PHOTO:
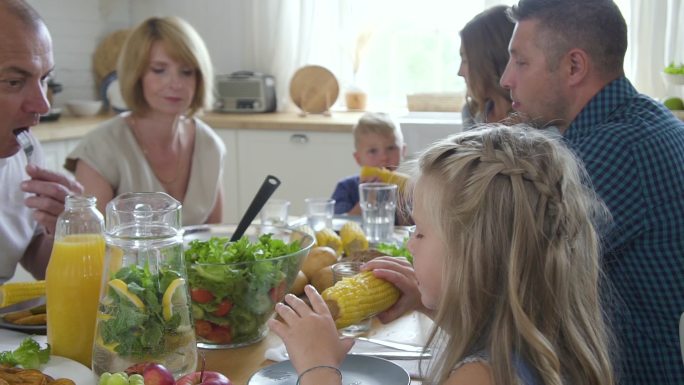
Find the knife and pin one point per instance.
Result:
(394, 355)
(23, 305)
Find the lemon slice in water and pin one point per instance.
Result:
(121, 288)
(173, 296)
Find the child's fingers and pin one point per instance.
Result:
(277, 327)
(298, 305)
(317, 302)
(386, 262)
(286, 313)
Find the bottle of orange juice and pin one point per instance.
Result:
(73, 279)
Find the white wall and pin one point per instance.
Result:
(78, 26)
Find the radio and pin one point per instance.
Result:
(245, 91)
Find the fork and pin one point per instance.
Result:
(26, 144)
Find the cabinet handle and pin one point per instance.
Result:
(299, 139)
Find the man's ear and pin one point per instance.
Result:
(357, 157)
(578, 63)
(403, 151)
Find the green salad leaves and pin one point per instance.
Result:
(395, 251)
(133, 330)
(28, 355)
(234, 285)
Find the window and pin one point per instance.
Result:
(413, 48)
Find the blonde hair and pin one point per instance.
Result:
(522, 266)
(377, 123)
(182, 43)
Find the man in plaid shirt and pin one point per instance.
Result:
(566, 69)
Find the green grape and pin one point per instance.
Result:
(136, 379)
(119, 378)
(104, 378)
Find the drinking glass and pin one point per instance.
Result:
(275, 212)
(319, 212)
(378, 203)
(341, 270)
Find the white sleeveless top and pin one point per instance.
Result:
(113, 152)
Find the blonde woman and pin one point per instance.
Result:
(506, 263)
(166, 78)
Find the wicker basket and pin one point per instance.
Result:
(435, 101)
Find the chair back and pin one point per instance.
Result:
(681, 335)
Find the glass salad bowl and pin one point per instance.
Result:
(234, 286)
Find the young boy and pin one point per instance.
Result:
(379, 143)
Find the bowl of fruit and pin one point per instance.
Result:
(234, 286)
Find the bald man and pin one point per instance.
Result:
(31, 197)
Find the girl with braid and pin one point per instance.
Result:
(506, 264)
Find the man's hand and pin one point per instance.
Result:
(50, 189)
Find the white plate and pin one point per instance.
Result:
(364, 370)
(56, 367)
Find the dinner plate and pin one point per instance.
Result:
(366, 370)
(56, 367)
(111, 93)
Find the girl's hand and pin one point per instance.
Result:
(400, 273)
(309, 333)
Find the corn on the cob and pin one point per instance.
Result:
(353, 238)
(385, 176)
(327, 237)
(14, 292)
(295, 236)
(356, 298)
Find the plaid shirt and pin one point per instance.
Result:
(633, 149)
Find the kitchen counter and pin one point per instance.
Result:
(68, 127)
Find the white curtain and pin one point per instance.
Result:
(656, 39)
(286, 35)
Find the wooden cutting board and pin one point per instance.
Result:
(107, 54)
(314, 89)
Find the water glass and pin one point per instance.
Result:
(274, 212)
(347, 269)
(378, 203)
(319, 212)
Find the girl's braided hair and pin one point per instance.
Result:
(522, 272)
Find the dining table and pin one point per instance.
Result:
(239, 364)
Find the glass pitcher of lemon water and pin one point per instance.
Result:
(144, 312)
(73, 279)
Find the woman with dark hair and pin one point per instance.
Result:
(484, 54)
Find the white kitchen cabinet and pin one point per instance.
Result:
(308, 164)
(55, 151)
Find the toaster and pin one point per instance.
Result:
(245, 91)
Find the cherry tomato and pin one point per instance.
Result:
(223, 308)
(201, 295)
(202, 327)
(220, 334)
(278, 292)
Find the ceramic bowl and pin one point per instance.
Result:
(676, 79)
(84, 107)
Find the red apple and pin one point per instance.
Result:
(156, 374)
(203, 378)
